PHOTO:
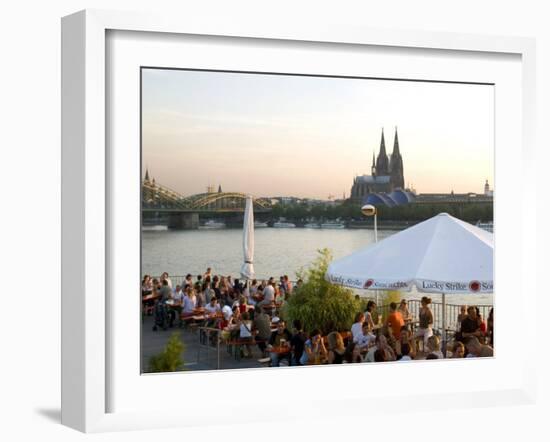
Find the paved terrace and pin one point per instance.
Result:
(154, 342)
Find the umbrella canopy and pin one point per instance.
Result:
(440, 255)
(247, 269)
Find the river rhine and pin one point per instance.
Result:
(277, 252)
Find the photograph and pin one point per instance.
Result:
(290, 220)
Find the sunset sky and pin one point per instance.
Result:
(273, 135)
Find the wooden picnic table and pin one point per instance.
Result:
(279, 350)
(150, 297)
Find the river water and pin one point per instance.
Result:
(277, 252)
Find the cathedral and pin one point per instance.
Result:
(386, 173)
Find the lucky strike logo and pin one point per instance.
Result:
(368, 283)
(475, 286)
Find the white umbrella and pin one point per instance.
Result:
(247, 269)
(440, 255)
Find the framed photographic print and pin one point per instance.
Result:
(286, 207)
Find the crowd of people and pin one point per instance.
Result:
(249, 313)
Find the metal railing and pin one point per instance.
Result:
(451, 313)
(207, 337)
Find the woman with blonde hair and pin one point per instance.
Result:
(336, 348)
(434, 346)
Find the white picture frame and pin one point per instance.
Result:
(87, 210)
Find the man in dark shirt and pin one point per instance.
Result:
(261, 327)
(279, 344)
(297, 342)
(470, 326)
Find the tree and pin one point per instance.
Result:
(170, 358)
(320, 304)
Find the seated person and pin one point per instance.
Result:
(405, 352)
(478, 350)
(297, 342)
(381, 343)
(245, 333)
(458, 350)
(315, 351)
(406, 337)
(470, 326)
(268, 294)
(357, 325)
(280, 339)
(365, 338)
(434, 346)
(353, 354)
(212, 307)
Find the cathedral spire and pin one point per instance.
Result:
(382, 164)
(382, 144)
(146, 174)
(219, 188)
(396, 144)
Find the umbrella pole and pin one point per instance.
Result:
(443, 333)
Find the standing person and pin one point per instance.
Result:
(404, 310)
(252, 291)
(280, 339)
(261, 328)
(314, 352)
(297, 342)
(336, 348)
(165, 291)
(164, 277)
(461, 316)
(426, 320)
(395, 321)
(208, 273)
(188, 281)
(288, 285)
(470, 326)
(371, 307)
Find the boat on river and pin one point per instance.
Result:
(312, 226)
(213, 224)
(333, 225)
(284, 225)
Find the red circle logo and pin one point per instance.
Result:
(475, 286)
(368, 283)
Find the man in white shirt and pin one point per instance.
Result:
(212, 307)
(269, 294)
(364, 337)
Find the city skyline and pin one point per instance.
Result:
(277, 135)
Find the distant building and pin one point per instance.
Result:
(486, 190)
(386, 177)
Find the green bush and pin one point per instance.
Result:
(320, 304)
(170, 358)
